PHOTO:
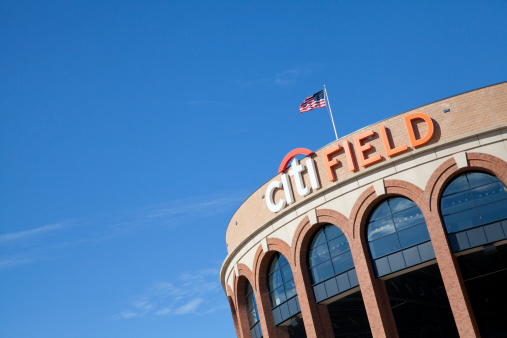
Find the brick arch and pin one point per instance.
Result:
(262, 260)
(260, 269)
(306, 230)
(362, 205)
(316, 315)
(231, 294)
(246, 272)
(448, 170)
(239, 289)
(368, 200)
(234, 314)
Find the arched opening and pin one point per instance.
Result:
(397, 236)
(403, 256)
(474, 210)
(473, 207)
(252, 313)
(283, 297)
(334, 282)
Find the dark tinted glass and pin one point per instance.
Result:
(319, 254)
(279, 279)
(477, 179)
(381, 211)
(251, 306)
(286, 273)
(274, 264)
(462, 220)
(456, 202)
(275, 279)
(320, 265)
(400, 204)
(249, 301)
(459, 184)
(338, 245)
(318, 240)
(413, 235)
(489, 193)
(332, 232)
(322, 272)
(482, 200)
(290, 289)
(252, 317)
(384, 246)
(380, 228)
(282, 260)
(277, 297)
(342, 263)
(493, 211)
(408, 218)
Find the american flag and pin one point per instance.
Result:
(314, 101)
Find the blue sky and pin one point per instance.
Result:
(131, 131)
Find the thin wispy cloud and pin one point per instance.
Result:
(194, 292)
(37, 243)
(283, 78)
(32, 232)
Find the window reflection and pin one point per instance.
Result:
(329, 254)
(402, 227)
(251, 306)
(281, 286)
(473, 199)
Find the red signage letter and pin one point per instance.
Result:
(362, 148)
(390, 151)
(330, 164)
(410, 128)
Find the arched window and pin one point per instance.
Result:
(330, 263)
(282, 290)
(474, 210)
(398, 236)
(252, 314)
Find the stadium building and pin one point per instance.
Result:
(399, 229)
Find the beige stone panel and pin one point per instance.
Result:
(461, 160)
(337, 204)
(284, 219)
(420, 174)
(263, 234)
(504, 133)
(455, 147)
(416, 160)
(498, 149)
(344, 204)
(380, 188)
(491, 137)
(291, 228)
(377, 174)
(341, 189)
(282, 233)
(248, 257)
(313, 203)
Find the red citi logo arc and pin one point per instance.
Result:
(296, 168)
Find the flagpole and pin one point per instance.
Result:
(330, 112)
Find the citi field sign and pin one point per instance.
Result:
(361, 145)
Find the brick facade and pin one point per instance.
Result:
(317, 322)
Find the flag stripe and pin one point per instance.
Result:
(314, 101)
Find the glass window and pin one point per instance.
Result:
(251, 306)
(473, 199)
(331, 256)
(402, 226)
(281, 285)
